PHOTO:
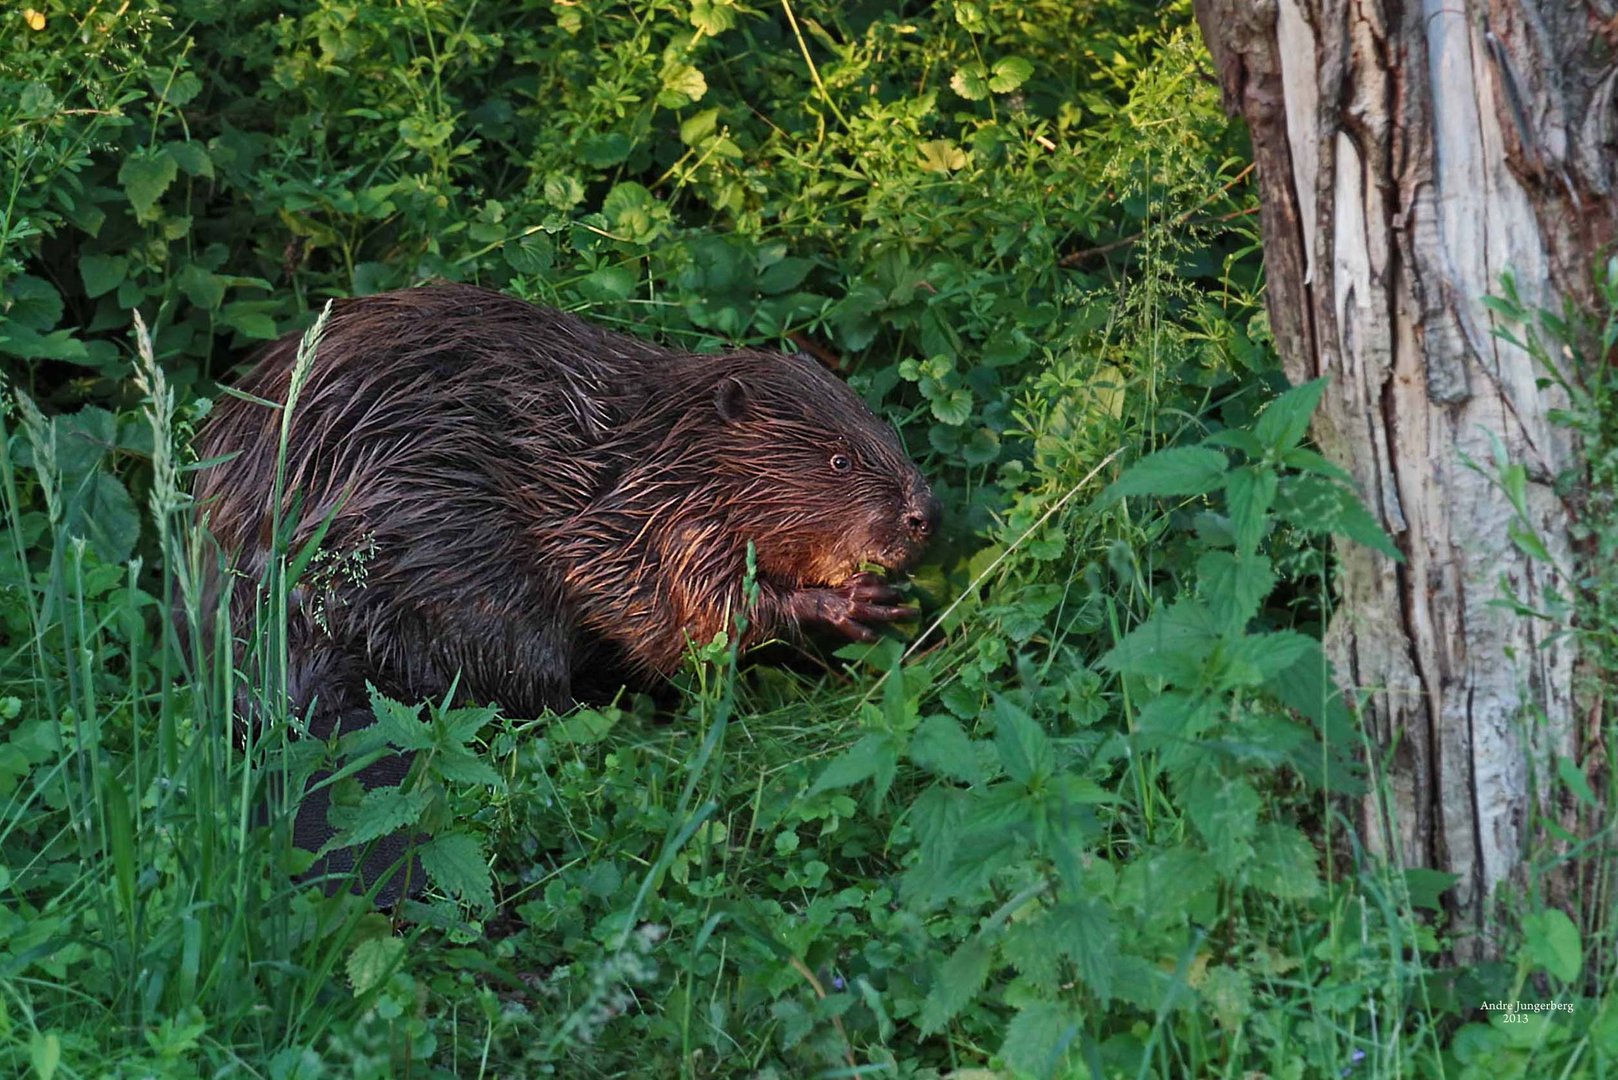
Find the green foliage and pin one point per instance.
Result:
(1086, 823)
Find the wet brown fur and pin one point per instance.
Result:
(547, 499)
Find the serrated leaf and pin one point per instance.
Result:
(682, 84)
(1184, 470)
(192, 157)
(465, 768)
(102, 273)
(1009, 74)
(101, 512)
(1285, 421)
(1173, 643)
(958, 981)
(456, 864)
(381, 812)
(1285, 863)
(145, 176)
(1234, 585)
(1249, 494)
(1038, 1036)
(941, 746)
(1257, 658)
(1551, 941)
(1024, 748)
(401, 724)
(971, 82)
(372, 961)
(873, 756)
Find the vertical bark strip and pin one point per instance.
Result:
(1408, 154)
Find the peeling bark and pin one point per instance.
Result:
(1408, 154)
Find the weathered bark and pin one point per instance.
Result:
(1408, 154)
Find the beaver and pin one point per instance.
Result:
(533, 504)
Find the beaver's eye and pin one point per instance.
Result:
(840, 463)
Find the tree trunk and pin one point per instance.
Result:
(1408, 154)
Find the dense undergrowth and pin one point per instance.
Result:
(1090, 823)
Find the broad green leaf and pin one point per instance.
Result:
(1233, 586)
(971, 82)
(941, 156)
(458, 866)
(697, 128)
(1286, 420)
(783, 274)
(1249, 494)
(145, 176)
(102, 273)
(31, 302)
(874, 755)
(682, 85)
(1025, 749)
(401, 724)
(1551, 941)
(1009, 74)
(372, 961)
(100, 511)
(381, 811)
(45, 1053)
(610, 283)
(1038, 1037)
(605, 150)
(1256, 658)
(1174, 643)
(941, 746)
(1427, 887)
(958, 981)
(1285, 864)
(192, 157)
(1185, 470)
(713, 17)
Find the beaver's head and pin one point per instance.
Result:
(812, 477)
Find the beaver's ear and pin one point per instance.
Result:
(730, 398)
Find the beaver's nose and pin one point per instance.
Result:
(922, 513)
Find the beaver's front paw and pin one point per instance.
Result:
(848, 607)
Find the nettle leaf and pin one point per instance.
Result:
(1174, 643)
(1257, 658)
(958, 981)
(1025, 749)
(192, 157)
(1009, 74)
(1233, 585)
(145, 176)
(401, 724)
(875, 757)
(456, 864)
(971, 82)
(1225, 812)
(1285, 863)
(1316, 505)
(381, 811)
(1551, 941)
(101, 512)
(1038, 1036)
(1249, 494)
(372, 961)
(1182, 470)
(1286, 421)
